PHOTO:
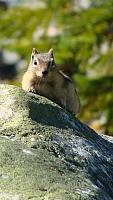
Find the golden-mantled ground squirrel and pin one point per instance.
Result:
(43, 77)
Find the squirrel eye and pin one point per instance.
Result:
(35, 62)
(51, 63)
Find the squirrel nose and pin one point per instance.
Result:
(45, 72)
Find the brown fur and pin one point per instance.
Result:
(56, 86)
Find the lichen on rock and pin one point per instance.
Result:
(47, 154)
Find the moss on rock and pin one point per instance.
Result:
(47, 154)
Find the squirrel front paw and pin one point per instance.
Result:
(31, 89)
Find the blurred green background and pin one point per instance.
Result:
(81, 34)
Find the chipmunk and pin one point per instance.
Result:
(43, 77)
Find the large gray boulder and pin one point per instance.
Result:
(47, 154)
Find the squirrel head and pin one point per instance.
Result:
(42, 63)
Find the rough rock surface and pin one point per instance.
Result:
(46, 154)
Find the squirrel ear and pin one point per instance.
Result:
(51, 52)
(34, 51)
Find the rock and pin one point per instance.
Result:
(47, 154)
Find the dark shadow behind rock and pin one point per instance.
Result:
(45, 153)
